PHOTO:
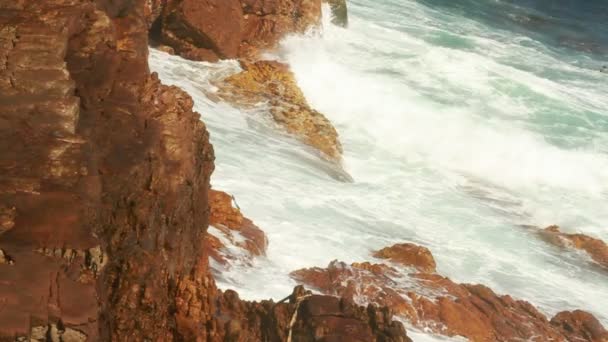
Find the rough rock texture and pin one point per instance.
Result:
(271, 82)
(596, 248)
(580, 326)
(211, 29)
(233, 229)
(409, 254)
(104, 175)
(306, 318)
(433, 302)
(104, 182)
(339, 12)
(363, 282)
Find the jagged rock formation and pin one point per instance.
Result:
(232, 228)
(208, 30)
(433, 302)
(273, 84)
(595, 248)
(104, 170)
(104, 182)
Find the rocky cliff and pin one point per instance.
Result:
(104, 183)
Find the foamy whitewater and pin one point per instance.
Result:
(458, 129)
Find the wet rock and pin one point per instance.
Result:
(372, 282)
(580, 325)
(166, 49)
(409, 254)
(234, 228)
(339, 12)
(104, 194)
(305, 317)
(212, 29)
(595, 248)
(210, 25)
(430, 301)
(272, 83)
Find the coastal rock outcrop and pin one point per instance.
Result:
(595, 248)
(430, 301)
(271, 83)
(303, 317)
(104, 195)
(104, 175)
(230, 227)
(210, 29)
(579, 325)
(409, 254)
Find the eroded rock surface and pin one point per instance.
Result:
(430, 301)
(230, 227)
(104, 184)
(273, 84)
(107, 171)
(595, 248)
(211, 29)
(409, 254)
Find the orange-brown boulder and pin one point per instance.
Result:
(203, 29)
(409, 254)
(430, 301)
(234, 229)
(211, 29)
(579, 325)
(272, 83)
(595, 248)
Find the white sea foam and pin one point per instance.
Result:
(451, 148)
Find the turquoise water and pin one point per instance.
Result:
(461, 122)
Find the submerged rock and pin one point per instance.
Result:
(339, 12)
(430, 301)
(272, 83)
(595, 248)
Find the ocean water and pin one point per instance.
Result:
(462, 123)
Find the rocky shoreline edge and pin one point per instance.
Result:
(105, 196)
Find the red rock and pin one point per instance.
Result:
(212, 29)
(580, 325)
(229, 220)
(104, 191)
(430, 301)
(409, 254)
(595, 248)
(213, 25)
